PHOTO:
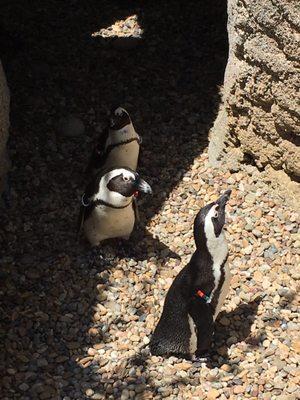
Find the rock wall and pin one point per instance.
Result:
(260, 110)
(4, 126)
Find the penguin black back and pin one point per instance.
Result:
(97, 158)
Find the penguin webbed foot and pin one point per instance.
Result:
(202, 357)
(157, 349)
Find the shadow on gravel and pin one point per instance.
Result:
(238, 329)
(169, 83)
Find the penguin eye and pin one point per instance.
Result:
(126, 178)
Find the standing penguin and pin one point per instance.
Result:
(118, 145)
(195, 297)
(107, 209)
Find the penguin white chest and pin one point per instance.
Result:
(107, 223)
(193, 335)
(218, 249)
(224, 290)
(125, 155)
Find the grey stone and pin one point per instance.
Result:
(24, 387)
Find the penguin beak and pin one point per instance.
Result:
(143, 186)
(224, 198)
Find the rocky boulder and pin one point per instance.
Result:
(260, 110)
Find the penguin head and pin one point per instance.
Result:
(119, 118)
(210, 220)
(117, 187)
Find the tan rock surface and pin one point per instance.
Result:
(261, 109)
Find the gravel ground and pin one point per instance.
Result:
(76, 322)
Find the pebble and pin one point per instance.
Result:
(226, 367)
(257, 233)
(184, 366)
(213, 375)
(42, 362)
(238, 389)
(146, 340)
(89, 392)
(24, 387)
(213, 394)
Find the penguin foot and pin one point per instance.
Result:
(202, 358)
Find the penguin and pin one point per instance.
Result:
(107, 206)
(118, 144)
(196, 295)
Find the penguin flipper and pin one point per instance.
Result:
(98, 156)
(80, 221)
(96, 161)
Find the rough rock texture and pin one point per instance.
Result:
(4, 124)
(261, 97)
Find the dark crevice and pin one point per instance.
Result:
(286, 134)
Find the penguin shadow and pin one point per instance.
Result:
(143, 245)
(145, 385)
(140, 247)
(237, 329)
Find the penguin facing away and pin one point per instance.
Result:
(118, 145)
(197, 294)
(107, 209)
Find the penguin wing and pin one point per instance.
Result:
(96, 161)
(86, 207)
(202, 316)
(80, 220)
(98, 156)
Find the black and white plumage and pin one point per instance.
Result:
(118, 145)
(196, 296)
(107, 209)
